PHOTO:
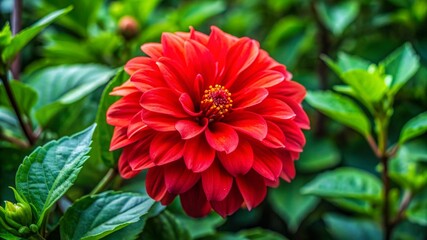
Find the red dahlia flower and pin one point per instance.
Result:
(213, 118)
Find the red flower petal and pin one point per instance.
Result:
(146, 79)
(166, 148)
(136, 125)
(216, 182)
(155, 183)
(120, 138)
(230, 204)
(168, 198)
(178, 178)
(301, 118)
(153, 50)
(199, 61)
(136, 63)
(198, 155)
(173, 46)
(164, 101)
(275, 137)
(194, 202)
(159, 122)
(288, 170)
(240, 56)
(175, 75)
(288, 89)
(249, 98)
(189, 128)
(125, 170)
(248, 123)
(121, 112)
(219, 43)
(138, 154)
(252, 188)
(188, 105)
(222, 137)
(295, 139)
(240, 161)
(267, 163)
(273, 109)
(125, 89)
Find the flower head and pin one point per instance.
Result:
(214, 119)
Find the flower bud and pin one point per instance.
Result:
(128, 27)
(17, 218)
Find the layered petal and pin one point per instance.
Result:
(230, 204)
(164, 101)
(166, 148)
(198, 155)
(240, 161)
(178, 179)
(252, 188)
(248, 123)
(222, 137)
(216, 182)
(195, 203)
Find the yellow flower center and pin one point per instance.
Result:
(216, 102)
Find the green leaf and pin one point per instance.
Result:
(104, 131)
(260, 234)
(60, 86)
(355, 205)
(165, 227)
(25, 95)
(341, 109)
(345, 183)
(290, 204)
(129, 232)
(48, 172)
(5, 36)
(349, 228)
(371, 87)
(414, 128)
(407, 167)
(94, 217)
(402, 64)
(201, 227)
(417, 210)
(25, 36)
(196, 13)
(346, 62)
(319, 154)
(337, 18)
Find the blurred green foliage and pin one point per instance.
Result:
(65, 69)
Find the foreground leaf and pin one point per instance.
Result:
(342, 227)
(347, 183)
(104, 131)
(341, 109)
(402, 64)
(371, 87)
(164, 227)
(22, 38)
(337, 18)
(51, 170)
(414, 128)
(260, 234)
(94, 217)
(290, 204)
(61, 86)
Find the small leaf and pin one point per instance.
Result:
(345, 183)
(341, 109)
(165, 227)
(371, 87)
(25, 95)
(414, 128)
(104, 131)
(337, 18)
(51, 170)
(290, 204)
(417, 210)
(402, 64)
(348, 62)
(60, 86)
(5, 36)
(348, 228)
(196, 13)
(25, 36)
(407, 167)
(355, 205)
(94, 217)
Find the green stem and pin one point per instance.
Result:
(25, 128)
(110, 175)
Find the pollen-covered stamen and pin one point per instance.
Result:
(216, 102)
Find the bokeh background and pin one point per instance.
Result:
(70, 63)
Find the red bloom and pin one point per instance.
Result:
(213, 118)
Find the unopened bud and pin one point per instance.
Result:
(129, 27)
(18, 213)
